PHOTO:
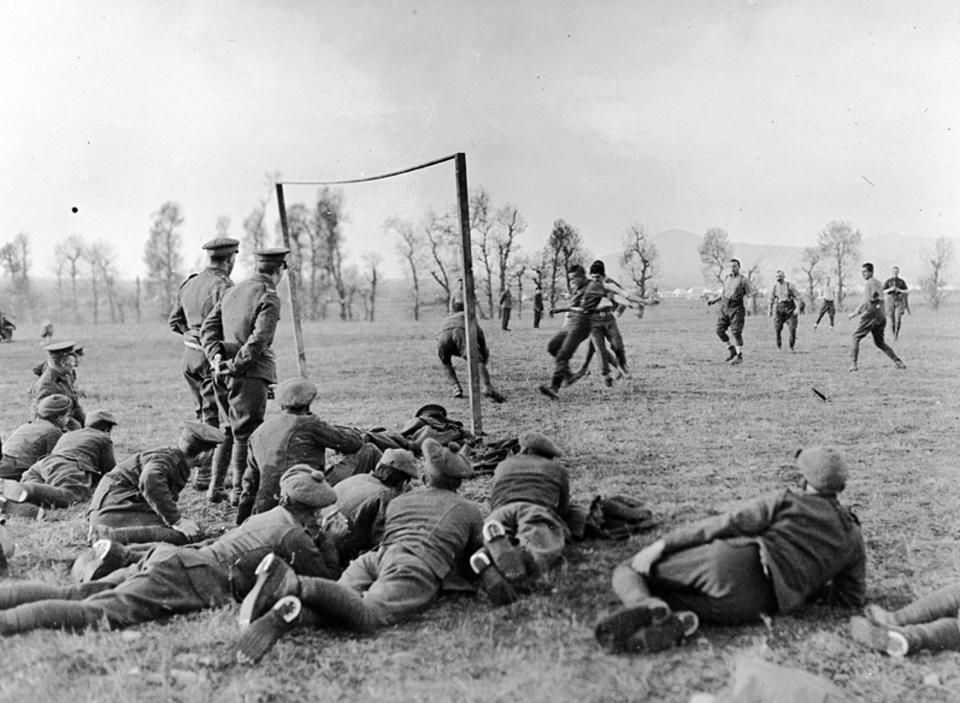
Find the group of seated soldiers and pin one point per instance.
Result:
(354, 545)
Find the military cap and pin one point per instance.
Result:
(597, 267)
(400, 459)
(54, 406)
(102, 416)
(432, 410)
(276, 256)
(78, 349)
(221, 246)
(440, 461)
(304, 484)
(824, 468)
(60, 347)
(201, 433)
(296, 392)
(539, 444)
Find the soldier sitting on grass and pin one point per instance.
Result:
(137, 501)
(68, 474)
(35, 439)
(525, 533)
(60, 376)
(769, 556)
(170, 580)
(428, 535)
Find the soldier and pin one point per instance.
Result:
(363, 499)
(198, 294)
(829, 295)
(428, 534)
(929, 622)
(537, 307)
(872, 319)
(237, 336)
(137, 500)
(169, 580)
(506, 305)
(38, 369)
(733, 311)
(768, 556)
(452, 341)
(895, 289)
(35, 439)
(525, 533)
(783, 301)
(297, 436)
(60, 377)
(70, 472)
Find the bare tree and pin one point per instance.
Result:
(510, 224)
(939, 258)
(255, 231)
(223, 226)
(564, 248)
(372, 261)
(299, 230)
(162, 254)
(715, 250)
(519, 271)
(755, 277)
(640, 258)
(328, 214)
(482, 226)
(15, 257)
(409, 247)
(444, 240)
(58, 268)
(70, 251)
(103, 279)
(809, 260)
(840, 243)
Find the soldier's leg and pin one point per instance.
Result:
(900, 640)
(612, 332)
(833, 312)
(220, 461)
(143, 534)
(778, 328)
(881, 344)
(723, 324)
(792, 326)
(17, 593)
(823, 311)
(194, 380)
(577, 332)
(556, 342)
(72, 616)
(942, 603)
(863, 329)
(598, 342)
(248, 404)
(542, 536)
(640, 609)
(362, 462)
(404, 585)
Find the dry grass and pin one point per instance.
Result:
(686, 434)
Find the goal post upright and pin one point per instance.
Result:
(469, 299)
(293, 285)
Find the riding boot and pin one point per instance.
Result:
(18, 593)
(221, 461)
(48, 496)
(338, 604)
(238, 464)
(51, 615)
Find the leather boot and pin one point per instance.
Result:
(221, 461)
(454, 381)
(48, 496)
(201, 481)
(51, 615)
(238, 464)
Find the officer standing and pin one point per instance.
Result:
(237, 337)
(783, 308)
(197, 296)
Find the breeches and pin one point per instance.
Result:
(451, 343)
(393, 582)
(247, 404)
(538, 530)
(722, 581)
(732, 319)
(196, 371)
(872, 324)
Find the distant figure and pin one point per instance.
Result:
(6, 328)
(895, 289)
(506, 303)
(733, 311)
(46, 330)
(872, 318)
(784, 297)
(829, 295)
(537, 307)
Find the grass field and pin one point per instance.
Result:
(686, 434)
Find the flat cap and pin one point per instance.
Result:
(275, 255)
(296, 392)
(103, 416)
(222, 245)
(201, 433)
(539, 444)
(304, 484)
(431, 410)
(401, 460)
(440, 461)
(824, 468)
(60, 347)
(54, 406)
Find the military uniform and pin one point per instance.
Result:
(197, 297)
(733, 311)
(63, 382)
(239, 333)
(170, 580)
(28, 444)
(872, 322)
(287, 439)
(506, 305)
(452, 341)
(363, 501)
(897, 297)
(783, 304)
(142, 491)
(72, 470)
(537, 308)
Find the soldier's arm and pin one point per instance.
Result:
(751, 519)
(211, 334)
(309, 557)
(346, 440)
(155, 489)
(260, 339)
(107, 458)
(178, 319)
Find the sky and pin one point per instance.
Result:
(768, 119)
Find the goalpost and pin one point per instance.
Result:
(466, 260)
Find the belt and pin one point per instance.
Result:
(192, 345)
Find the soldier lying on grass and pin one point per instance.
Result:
(169, 580)
(769, 556)
(930, 622)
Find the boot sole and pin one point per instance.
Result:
(614, 630)
(270, 572)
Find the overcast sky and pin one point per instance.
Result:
(766, 118)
